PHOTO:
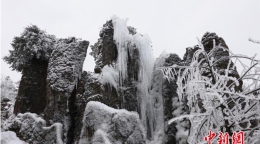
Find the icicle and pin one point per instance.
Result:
(109, 76)
(143, 44)
(121, 36)
(146, 64)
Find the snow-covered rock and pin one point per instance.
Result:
(32, 128)
(64, 72)
(66, 63)
(103, 124)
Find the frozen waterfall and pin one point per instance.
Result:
(126, 42)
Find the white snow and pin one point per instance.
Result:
(109, 76)
(110, 125)
(9, 137)
(33, 116)
(100, 137)
(59, 131)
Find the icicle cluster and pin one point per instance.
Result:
(126, 42)
(121, 37)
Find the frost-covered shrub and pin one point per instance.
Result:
(213, 100)
(8, 88)
(33, 42)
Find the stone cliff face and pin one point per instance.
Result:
(64, 72)
(61, 93)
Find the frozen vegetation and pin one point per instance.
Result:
(8, 89)
(214, 102)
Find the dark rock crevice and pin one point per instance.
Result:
(72, 114)
(32, 90)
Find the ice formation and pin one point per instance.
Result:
(126, 42)
(121, 37)
(109, 76)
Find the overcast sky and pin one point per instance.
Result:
(172, 25)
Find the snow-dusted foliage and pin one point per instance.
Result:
(33, 42)
(8, 88)
(10, 137)
(66, 62)
(32, 128)
(8, 95)
(103, 124)
(213, 100)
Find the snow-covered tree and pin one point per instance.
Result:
(33, 42)
(212, 98)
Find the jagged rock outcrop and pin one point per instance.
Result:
(107, 50)
(88, 89)
(32, 90)
(64, 71)
(103, 124)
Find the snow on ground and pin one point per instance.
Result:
(10, 137)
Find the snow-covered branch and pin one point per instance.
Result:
(254, 41)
